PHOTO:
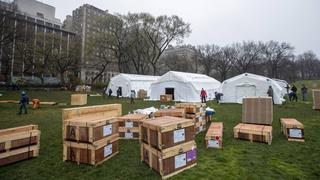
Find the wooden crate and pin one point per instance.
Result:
(129, 125)
(142, 94)
(214, 135)
(90, 128)
(192, 108)
(94, 154)
(292, 129)
(171, 161)
(19, 143)
(257, 110)
(316, 99)
(165, 132)
(78, 99)
(166, 98)
(170, 112)
(252, 132)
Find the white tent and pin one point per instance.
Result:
(183, 86)
(128, 82)
(244, 85)
(283, 84)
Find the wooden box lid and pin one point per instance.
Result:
(133, 117)
(167, 123)
(291, 123)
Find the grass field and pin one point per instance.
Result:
(237, 160)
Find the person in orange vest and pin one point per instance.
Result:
(203, 95)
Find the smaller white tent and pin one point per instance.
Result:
(245, 85)
(128, 82)
(283, 84)
(184, 87)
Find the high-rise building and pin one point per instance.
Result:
(23, 21)
(84, 23)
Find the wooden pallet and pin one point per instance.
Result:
(292, 129)
(170, 112)
(94, 154)
(252, 132)
(165, 132)
(214, 135)
(164, 161)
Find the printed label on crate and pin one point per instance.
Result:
(191, 155)
(107, 150)
(213, 143)
(200, 128)
(129, 124)
(128, 135)
(180, 161)
(201, 109)
(200, 118)
(295, 133)
(107, 130)
(178, 135)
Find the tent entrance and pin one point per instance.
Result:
(120, 90)
(245, 91)
(170, 91)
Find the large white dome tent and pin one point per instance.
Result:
(245, 85)
(184, 87)
(128, 82)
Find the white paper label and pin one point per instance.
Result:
(107, 150)
(107, 130)
(128, 135)
(180, 160)
(178, 135)
(213, 143)
(200, 118)
(295, 133)
(200, 128)
(129, 124)
(201, 109)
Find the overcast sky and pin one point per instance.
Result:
(223, 22)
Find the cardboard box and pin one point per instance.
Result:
(129, 125)
(19, 143)
(170, 112)
(78, 99)
(292, 129)
(171, 161)
(252, 132)
(94, 154)
(316, 99)
(257, 110)
(142, 94)
(165, 132)
(214, 135)
(165, 98)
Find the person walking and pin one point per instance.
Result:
(24, 101)
(132, 96)
(110, 92)
(304, 91)
(294, 93)
(270, 93)
(203, 95)
(118, 92)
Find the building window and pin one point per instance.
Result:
(40, 15)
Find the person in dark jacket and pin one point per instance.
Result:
(24, 101)
(294, 93)
(270, 93)
(304, 91)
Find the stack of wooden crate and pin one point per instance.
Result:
(19, 143)
(167, 145)
(142, 94)
(170, 112)
(165, 98)
(91, 134)
(196, 112)
(292, 129)
(79, 99)
(214, 135)
(316, 99)
(129, 125)
(257, 117)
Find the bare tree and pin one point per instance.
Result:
(209, 54)
(308, 65)
(225, 62)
